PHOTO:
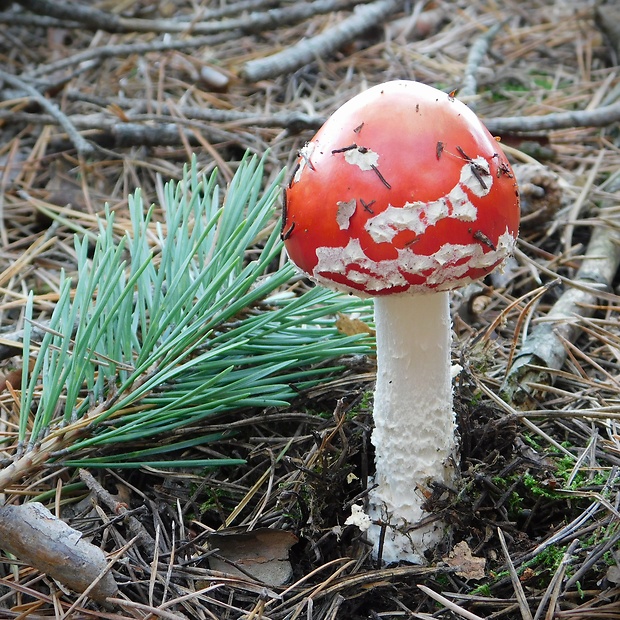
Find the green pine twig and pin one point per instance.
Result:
(172, 324)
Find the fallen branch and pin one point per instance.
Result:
(136, 529)
(110, 133)
(81, 145)
(23, 18)
(479, 49)
(87, 16)
(293, 121)
(544, 350)
(34, 535)
(600, 117)
(115, 133)
(35, 21)
(97, 54)
(257, 21)
(308, 50)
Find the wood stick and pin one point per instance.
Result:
(82, 146)
(34, 535)
(544, 349)
(257, 21)
(136, 529)
(307, 50)
(469, 85)
(599, 117)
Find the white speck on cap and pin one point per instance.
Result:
(305, 154)
(442, 270)
(345, 212)
(417, 216)
(364, 159)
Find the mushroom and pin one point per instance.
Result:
(402, 195)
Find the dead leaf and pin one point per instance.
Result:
(351, 327)
(261, 553)
(469, 566)
(613, 574)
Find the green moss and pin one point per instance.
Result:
(475, 399)
(580, 591)
(548, 559)
(540, 488)
(364, 406)
(213, 500)
(482, 590)
(532, 442)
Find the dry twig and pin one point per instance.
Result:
(304, 52)
(599, 117)
(83, 148)
(136, 529)
(96, 19)
(544, 350)
(35, 536)
(478, 51)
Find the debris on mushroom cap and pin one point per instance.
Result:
(402, 190)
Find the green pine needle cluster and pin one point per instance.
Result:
(172, 324)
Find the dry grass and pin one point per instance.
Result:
(543, 470)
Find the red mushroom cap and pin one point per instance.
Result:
(402, 189)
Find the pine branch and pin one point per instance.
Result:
(168, 326)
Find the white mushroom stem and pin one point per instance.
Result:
(415, 433)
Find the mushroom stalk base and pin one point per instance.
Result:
(415, 434)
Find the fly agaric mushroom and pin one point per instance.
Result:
(403, 195)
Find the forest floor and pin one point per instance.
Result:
(138, 88)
